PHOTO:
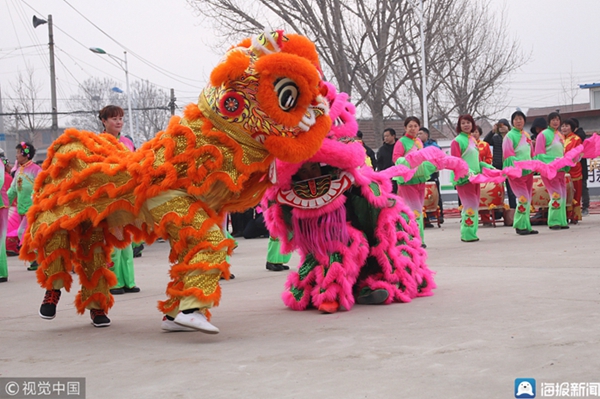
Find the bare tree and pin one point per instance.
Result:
(93, 95)
(371, 48)
(27, 105)
(151, 111)
(477, 58)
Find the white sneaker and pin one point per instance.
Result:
(197, 321)
(170, 325)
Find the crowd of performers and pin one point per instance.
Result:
(557, 150)
(267, 127)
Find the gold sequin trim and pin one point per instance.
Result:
(159, 157)
(102, 288)
(214, 237)
(60, 240)
(178, 205)
(97, 262)
(208, 283)
(55, 267)
(209, 257)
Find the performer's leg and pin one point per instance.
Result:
(469, 196)
(53, 273)
(198, 251)
(127, 269)
(585, 198)
(414, 197)
(117, 268)
(95, 276)
(440, 200)
(3, 260)
(522, 187)
(22, 228)
(557, 189)
(276, 261)
(512, 198)
(577, 194)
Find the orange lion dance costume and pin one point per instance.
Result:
(263, 102)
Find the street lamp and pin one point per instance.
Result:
(123, 64)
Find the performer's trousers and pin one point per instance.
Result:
(557, 189)
(414, 197)
(522, 187)
(469, 195)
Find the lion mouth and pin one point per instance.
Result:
(313, 112)
(317, 192)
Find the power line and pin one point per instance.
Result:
(150, 64)
(165, 108)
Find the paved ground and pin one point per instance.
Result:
(506, 307)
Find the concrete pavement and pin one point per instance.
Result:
(506, 307)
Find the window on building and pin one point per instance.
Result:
(595, 99)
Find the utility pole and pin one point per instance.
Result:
(37, 22)
(52, 80)
(172, 102)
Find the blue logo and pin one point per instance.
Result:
(524, 388)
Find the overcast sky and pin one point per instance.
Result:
(560, 36)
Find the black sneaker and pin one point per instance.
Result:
(277, 267)
(33, 266)
(132, 289)
(48, 308)
(137, 251)
(99, 318)
(368, 296)
(525, 232)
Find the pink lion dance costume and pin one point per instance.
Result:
(356, 239)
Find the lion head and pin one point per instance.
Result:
(270, 88)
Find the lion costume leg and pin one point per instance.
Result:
(198, 253)
(56, 262)
(92, 267)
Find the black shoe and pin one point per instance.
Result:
(564, 227)
(372, 297)
(117, 291)
(132, 289)
(137, 251)
(423, 245)
(48, 308)
(475, 240)
(231, 277)
(3, 279)
(276, 267)
(556, 227)
(525, 232)
(99, 318)
(33, 266)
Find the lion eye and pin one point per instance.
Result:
(287, 93)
